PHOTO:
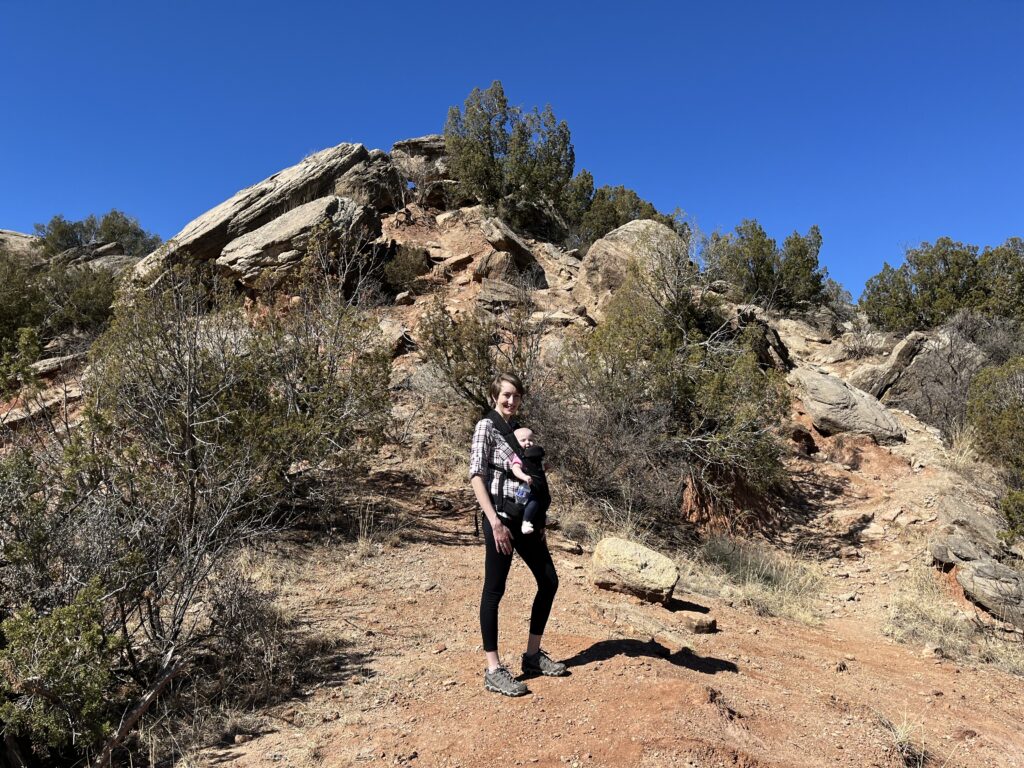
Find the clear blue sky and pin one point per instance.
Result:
(885, 123)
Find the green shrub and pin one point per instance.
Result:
(789, 278)
(1012, 507)
(938, 279)
(609, 208)
(409, 263)
(521, 162)
(995, 408)
(60, 234)
(657, 405)
(205, 427)
(56, 672)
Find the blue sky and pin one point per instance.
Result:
(884, 123)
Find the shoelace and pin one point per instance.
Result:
(503, 671)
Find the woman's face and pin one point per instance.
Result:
(508, 401)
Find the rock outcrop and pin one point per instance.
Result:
(605, 267)
(625, 566)
(274, 249)
(996, 587)
(837, 407)
(204, 238)
(877, 379)
(19, 245)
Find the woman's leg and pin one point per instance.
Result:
(496, 566)
(534, 551)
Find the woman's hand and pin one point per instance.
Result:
(502, 538)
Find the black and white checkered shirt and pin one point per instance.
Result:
(489, 447)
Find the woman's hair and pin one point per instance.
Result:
(503, 378)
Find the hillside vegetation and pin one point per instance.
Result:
(314, 364)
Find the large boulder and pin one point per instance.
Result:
(503, 239)
(996, 587)
(625, 566)
(374, 181)
(104, 256)
(560, 267)
(936, 382)
(204, 238)
(837, 407)
(423, 162)
(19, 245)
(277, 247)
(605, 267)
(877, 379)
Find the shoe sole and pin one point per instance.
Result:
(495, 689)
(538, 671)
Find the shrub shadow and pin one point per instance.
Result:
(607, 649)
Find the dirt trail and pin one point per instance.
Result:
(758, 692)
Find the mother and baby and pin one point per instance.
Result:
(506, 470)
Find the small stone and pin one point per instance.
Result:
(404, 299)
(841, 666)
(440, 648)
(241, 738)
(449, 683)
(847, 597)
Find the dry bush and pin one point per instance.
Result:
(963, 446)
(771, 582)
(922, 612)
(904, 744)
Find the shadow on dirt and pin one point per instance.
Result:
(607, 649)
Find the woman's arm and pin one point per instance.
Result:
(502, 536)
(480, 453)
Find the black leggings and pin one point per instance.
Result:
(534, 551)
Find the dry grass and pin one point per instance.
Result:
(903, 742)
(963, 447)
(755, 574)
(922, 612)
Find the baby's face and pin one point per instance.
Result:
(526, 438)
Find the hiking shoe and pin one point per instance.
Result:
(541, 663)
(501, 681)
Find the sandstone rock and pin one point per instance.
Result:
(421, 160)
(404, 299)
(19, 245)
(495, 294)
(625, 566)
(108, 256)
(204, 238)
(605, 267)
(952, 549)
(835, 407)
(560, 267)
(373, 181)
(54, 364)
(877, 379)
(495, 265)
(936, 377)
(768, 346)
(996, 587)
(502, 238)
(278, 246)
(396, 336)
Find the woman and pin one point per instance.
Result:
(492, 483)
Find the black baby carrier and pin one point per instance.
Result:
(505, 507)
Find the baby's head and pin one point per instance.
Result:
(525, 436)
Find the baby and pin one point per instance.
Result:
(530, 469)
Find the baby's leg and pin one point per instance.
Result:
(530, 514)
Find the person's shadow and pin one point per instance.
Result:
(606, 649)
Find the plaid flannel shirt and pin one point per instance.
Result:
(489, 447)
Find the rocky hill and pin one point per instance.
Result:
(704, 679)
